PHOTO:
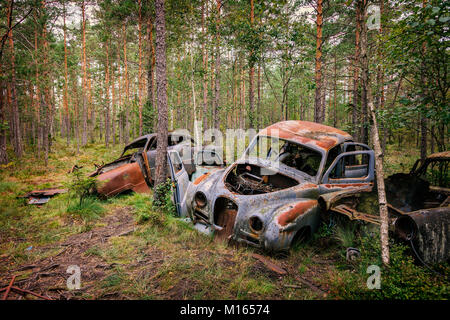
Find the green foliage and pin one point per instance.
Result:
(82, 185)
(402, 279)
(325, 230)
(163, 197)
(148, 117)
(345, 234)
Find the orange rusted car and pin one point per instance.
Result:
(134, 169)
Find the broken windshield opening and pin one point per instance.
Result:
(288, 153)
(134, 147)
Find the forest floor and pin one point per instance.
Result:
(123, 256)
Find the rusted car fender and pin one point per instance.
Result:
(126, 177)
(288, 220)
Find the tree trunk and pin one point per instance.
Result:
(356, 62)
(127, 87)
(85, 90)
(15, 130)
(384, 214)
(140, 66)
(3, 153)
(113, 93)
(107, 101)
(364, 77)
(251, 75)
(318, 70)
(66, 90)
(217, 72)
(258, 103)
(205, 68)
(151, 68)
(161, 91)
(423, 119)
(334, 94)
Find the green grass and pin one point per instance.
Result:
(89, 209)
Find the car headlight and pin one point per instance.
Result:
(200, 199)
(255, 223)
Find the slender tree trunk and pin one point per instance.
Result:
(151, 67)
(45, 98)
(84, 115)
(258, 104)
(127, 87)
(16, 134)
(217, 71)
(161, 90)
(334, 95)
(3, 153)
(66, 90)
(107, 101)
(364, 76)
(380, 80)
(384, 214)
(318, 70)
(423, 119)
(251, 75)
(355, 131)
(140, 66)
(205, 68)
(113, 93)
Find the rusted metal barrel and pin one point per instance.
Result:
(428, 229)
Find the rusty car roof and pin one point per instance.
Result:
(150, 135)
(441, 155)
(316, 135)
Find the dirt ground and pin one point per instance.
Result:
(48, 276)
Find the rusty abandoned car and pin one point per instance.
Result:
(421, 200)
(134, 169)
(272, 195)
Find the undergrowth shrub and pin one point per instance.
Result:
(81, 185)
(81, 188)
(163, 198)
(402, 279)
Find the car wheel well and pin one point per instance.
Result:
(302, 235)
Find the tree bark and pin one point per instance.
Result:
(334, 94)
(161, 91)
(217, 71)
(85, 89)
(356, 62)
(318, 117)
(364, 76)
(251, 76)
(66, 90)
(140, 66)
(384, 214)
(127, 87)
(107, 101)
(3, 153)
(205, 68)
(15, 129)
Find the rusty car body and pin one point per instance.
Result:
(421, 201)
(134, 169)
(269, 200)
